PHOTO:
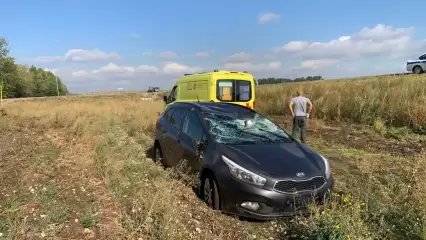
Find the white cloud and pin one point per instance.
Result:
(317, 64)
(112, 71)
(384, 32)
(251, 67)
(295, 46)
(381, 40)
(114, 68)
(80, 73)
(202, 54)
(168, 55)
(111, 76)
(176, 68)
(147, 69)
(267, 17)
(80, 55)
(372, 50)
(240, 57)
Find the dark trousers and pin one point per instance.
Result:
(299, 125)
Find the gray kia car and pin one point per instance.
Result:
(247, 165)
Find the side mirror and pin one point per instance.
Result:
(165, 98)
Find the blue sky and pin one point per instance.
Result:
(102, 45)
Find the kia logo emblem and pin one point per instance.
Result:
(300, 174)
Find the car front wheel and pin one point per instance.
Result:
(210, 192)
(417, 70)
(158, 154)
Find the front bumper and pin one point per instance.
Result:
(273, 204)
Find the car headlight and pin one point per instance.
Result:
(243, 174)
(327, 167)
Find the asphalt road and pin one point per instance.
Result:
(8, 100)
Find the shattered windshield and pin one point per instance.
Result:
(248, 129)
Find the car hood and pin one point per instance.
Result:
(277, 160)
(414, 61)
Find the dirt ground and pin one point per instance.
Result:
(86, 177)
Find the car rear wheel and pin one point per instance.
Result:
(417, 70)
(210, 192)
(158, 154)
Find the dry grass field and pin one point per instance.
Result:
(393, 100)
(77, 168)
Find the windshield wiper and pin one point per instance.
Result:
(277, 135)
(260, 136)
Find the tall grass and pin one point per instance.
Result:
(396, 100)
(100, 143)
(103, 143)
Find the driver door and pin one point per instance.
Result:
(172, 96)
(191, 134)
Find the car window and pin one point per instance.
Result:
(177, 117)
(193, 127)
(173, 94)
(422, 57)
(167, 115)
(230, 90)
(243, 92)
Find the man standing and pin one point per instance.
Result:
(300, 115)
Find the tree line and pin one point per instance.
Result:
(20, 81)
(287, 80)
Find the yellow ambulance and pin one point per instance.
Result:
(216, 86)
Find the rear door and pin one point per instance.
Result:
(235, 91)
(162, 133)
(192, 133)
(173, 136)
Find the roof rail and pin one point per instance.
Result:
(187, 74)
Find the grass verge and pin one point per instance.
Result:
(78, 168)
